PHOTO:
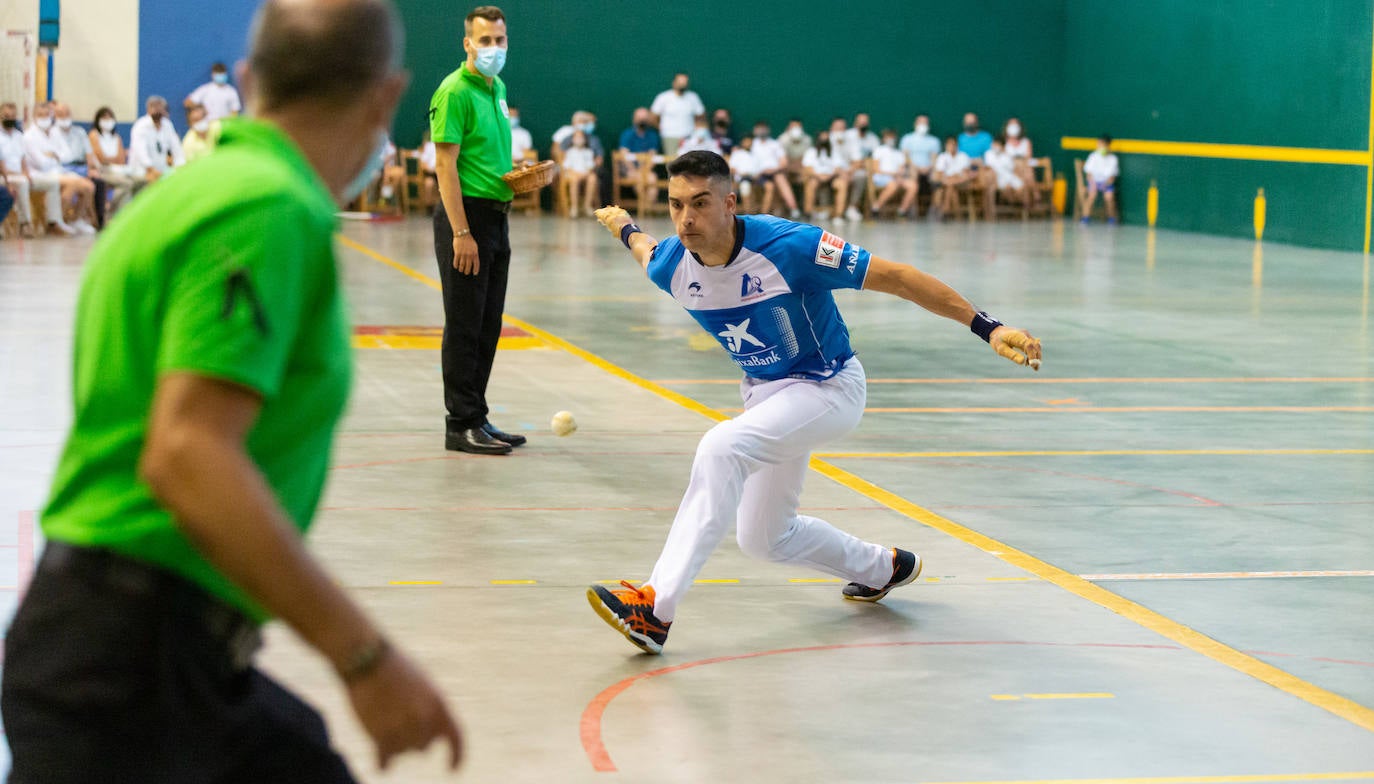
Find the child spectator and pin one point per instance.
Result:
(825, 167)
(1101, 170)
(953, 171)
(579, 166)
(892, 173)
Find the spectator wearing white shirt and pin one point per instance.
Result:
(772, 161)
(79, 158)
(921, 146)
(1002, 177)
(676, 110)
(219, 98)
(953, 171)
(154, 148)
(824, 167)
(848, 150)
(892, 173)
(520, 139)
(14, 166)
(45, 149)
(111, 159)
(1022, 154)
(795, 142)
(700, 138)
(744, 167)
(1101, 170)
(580, 166)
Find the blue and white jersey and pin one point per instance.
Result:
(771, 306)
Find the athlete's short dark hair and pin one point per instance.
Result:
(700, 163)
(488, 12)
(301, 51)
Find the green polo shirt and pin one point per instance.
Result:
(224, 269)
(468, 112)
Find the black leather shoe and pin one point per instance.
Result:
(509, 438)
(475, 441)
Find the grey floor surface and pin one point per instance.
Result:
(1154, 560)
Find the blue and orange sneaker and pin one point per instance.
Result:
(631, 612)
(906, 567)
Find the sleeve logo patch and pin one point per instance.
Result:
(829, 250)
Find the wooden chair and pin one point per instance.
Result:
(529, 202)
(413, 191)
(626, 190)
(562, 201)
(1081, 193)
(891, 208)
(1044, 188)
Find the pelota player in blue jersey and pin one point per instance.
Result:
(761, 285)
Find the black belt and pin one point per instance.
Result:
(502, 207)
(225, 625)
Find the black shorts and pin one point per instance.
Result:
(118, 672)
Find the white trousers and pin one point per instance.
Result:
(50, 185)
(749, 470)
(22, 207)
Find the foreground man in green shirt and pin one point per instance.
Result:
(212, 363)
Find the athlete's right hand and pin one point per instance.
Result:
(465, 255)
(1017, 345)
(401, 710)
(614, 219)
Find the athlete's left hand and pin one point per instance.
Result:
(1017, 345)
(614, 218)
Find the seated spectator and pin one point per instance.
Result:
(6, 198)
(1101, 170)
(641, 137)
(953, 171)
(675, 113)
(892, 173)
(1019, 148)
(795, 142)
(393, 172)
(921, 146)
(520, 139)
(700, 138)
(861, 137)
(1000, 177)
(974, 142)
(744, 167)
(219, 98)
(111, 160)
(77, 157)
(154, 148)
(772, 162)
(201, 136)
(723, 131)
(582, 120)
(848, 151)
(45, 150)
(429, 161)
(580, 166)
(824, 168)
(15, 168)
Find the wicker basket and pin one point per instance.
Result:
(531, 178)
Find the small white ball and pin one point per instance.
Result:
(563, 424)
(1035, 364)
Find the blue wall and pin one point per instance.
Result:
(178, 40)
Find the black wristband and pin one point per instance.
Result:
(628, 231)
(983, 325)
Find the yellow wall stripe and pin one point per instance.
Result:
(1369, 168)
(1243, 152)
(1166, 627)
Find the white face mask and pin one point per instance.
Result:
(922, 129)
(795, 132)
(371, 166)
(107, 125)
(43, 123)
(1013, 130)
(202, 126)
(65, 123)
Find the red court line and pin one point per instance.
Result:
(590, 724)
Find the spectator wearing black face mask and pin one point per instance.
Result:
(641, 137)
(974, 142)
(723, 131)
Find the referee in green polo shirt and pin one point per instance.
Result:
(470, 125)
(212, 363)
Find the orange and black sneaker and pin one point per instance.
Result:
(905, 568)
(631, 612)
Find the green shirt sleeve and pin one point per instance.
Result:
(446, 118)
(234, 306)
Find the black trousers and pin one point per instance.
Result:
(473, 305)
(118, 672)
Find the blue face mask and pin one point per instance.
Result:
(369, 170)
(490, 60)
(515, 122)
(220, 78)
(587, 127)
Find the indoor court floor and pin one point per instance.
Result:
(1152, 562)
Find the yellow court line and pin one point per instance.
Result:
(1089, 380)
(1166, 627)
(514, 582)
(1248, 779)
(1090, 453)
(1242, 152)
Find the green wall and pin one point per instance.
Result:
(761, 59)
(1276, 73)
(1291, 73)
